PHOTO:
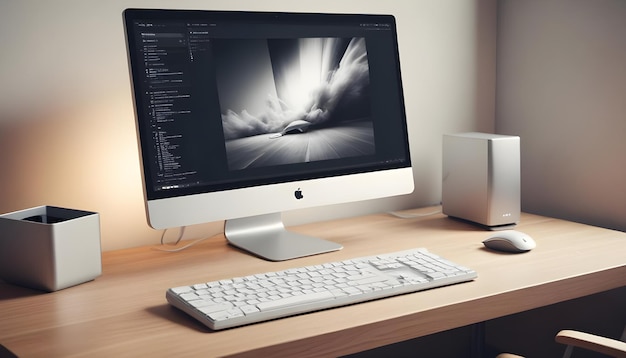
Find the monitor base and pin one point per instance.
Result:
(265, 236)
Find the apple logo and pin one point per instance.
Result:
(298, 194)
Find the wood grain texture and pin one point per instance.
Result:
(124, 312)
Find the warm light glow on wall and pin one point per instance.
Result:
(67, 133)
(82, 157)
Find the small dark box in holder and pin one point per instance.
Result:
(50, 248)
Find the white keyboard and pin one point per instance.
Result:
(244, 300)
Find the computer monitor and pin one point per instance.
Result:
(244, 115)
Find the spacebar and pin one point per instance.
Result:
(294, 301)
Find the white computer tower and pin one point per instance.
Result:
(481, 179)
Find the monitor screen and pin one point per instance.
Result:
(244, 115)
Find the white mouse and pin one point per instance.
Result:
(510, 241)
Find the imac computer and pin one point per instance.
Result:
(244, 115)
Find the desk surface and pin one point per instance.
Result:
(124, 312)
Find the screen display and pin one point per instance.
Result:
(228, 100)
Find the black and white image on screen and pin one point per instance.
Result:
(286, 101)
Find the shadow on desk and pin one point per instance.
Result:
(433, 346)
(530, 333)
(9, 292)
(446, 223)
(5, 353)
(167, 312)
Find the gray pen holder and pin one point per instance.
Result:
(50, 248)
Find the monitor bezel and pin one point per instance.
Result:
(278, 194)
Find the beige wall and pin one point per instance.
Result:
(561, 86)
(67, 134)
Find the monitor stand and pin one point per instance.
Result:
(266, 236)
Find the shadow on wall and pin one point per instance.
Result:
(561, 84)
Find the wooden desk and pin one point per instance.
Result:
(124, 312)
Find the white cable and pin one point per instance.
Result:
(185, 246)
(180, 237)
(181, 232)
